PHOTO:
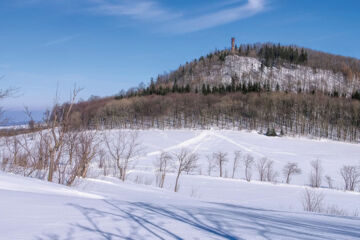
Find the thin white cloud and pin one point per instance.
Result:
(61, 40)
(171, 21)
(141, 10)
(167, 19)
(219, 17)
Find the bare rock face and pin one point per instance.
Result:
(290, 77)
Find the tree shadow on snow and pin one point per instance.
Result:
(138, 220)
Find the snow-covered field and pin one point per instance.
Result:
(206, 207)
(281, 150)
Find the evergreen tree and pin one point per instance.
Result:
(244, 87)
(356, 95)
(271, 132)
(215, 89)
(152, 87)
(203, 89)
(160, 91)
(175, 87)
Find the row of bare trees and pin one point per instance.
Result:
(349, 173)
(288, 113)
(263, 166)
(34, 156)
(30, 154)
(185, 161)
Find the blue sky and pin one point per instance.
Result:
(108, 45)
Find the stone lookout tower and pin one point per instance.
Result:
(232, 44)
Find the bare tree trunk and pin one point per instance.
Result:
(177, 181)
(186, 163)
(51, 166)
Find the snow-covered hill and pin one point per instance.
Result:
(290, 78)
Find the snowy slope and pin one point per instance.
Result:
(281, 150)
(126, 211)
(206, 207)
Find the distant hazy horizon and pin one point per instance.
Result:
(16, 117)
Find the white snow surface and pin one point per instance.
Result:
(206, 207)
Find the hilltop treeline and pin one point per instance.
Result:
(235, 86)
(275, 55)
(286, 113)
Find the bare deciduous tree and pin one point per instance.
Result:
(220, 158)
(290, 169)
(67, 167)
(211, 165)
(329, 181)
(351, 176)
(123, 147)
(80, 148)
(186, 161)
(58, 124)
(316, 173)
(14, 159)
(261, 168)
(312, 200)
(21, 156)
(162, 165)
(103, 162)
(86, 151)
(37, 156)
(271, 174)
(71, 138)
(236, 161)
(248, 163)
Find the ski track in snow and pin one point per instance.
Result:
(249, 150)
(201, 138)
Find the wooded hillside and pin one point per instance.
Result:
(176, 101)
(343, 71)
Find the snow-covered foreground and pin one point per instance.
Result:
(115, 210)
(206, 207)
